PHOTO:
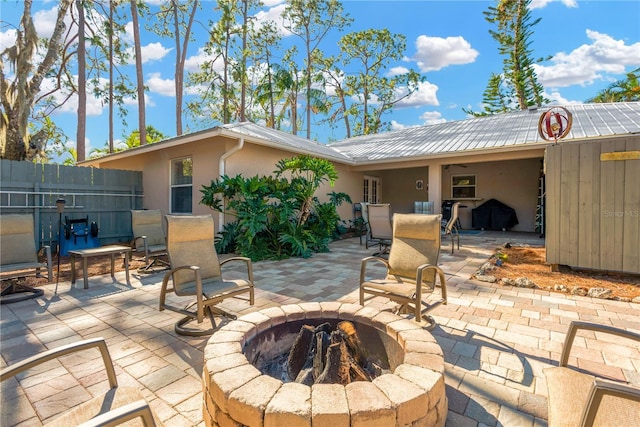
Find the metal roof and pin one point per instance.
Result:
(491, 132)
(498, 132)
(285, 140)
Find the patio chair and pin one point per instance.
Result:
(380, 232)
(450, 226)
(148, 238)
(116, 406)
(412, 267)
(196, 273)
(18, 254)
(580, 399)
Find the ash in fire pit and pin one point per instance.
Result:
(324, 355)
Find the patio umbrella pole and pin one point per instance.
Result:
(60, 206)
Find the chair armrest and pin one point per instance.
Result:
(368, 260)
(139, 408)
(16, 368)
(171, 272)
(440, 273)
(246, 260)
(576, 325)
(144, 242)
(599, 390)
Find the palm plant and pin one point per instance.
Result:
(277, 217)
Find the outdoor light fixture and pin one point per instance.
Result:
(60, 205)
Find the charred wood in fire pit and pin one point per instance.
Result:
(300, 351)
(336, 370)
(322, 344)
(348, 332)
(306, 377)
(357, 373)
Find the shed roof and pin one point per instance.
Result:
(518, 128)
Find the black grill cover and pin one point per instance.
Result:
(493, 215)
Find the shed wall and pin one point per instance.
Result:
(593, 204)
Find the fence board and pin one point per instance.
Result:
(106, 196)
(585, 217)
(552, 200)
(631, 245)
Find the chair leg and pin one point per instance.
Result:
(181, 327)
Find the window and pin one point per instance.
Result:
(463, 186)
(181, 185)
(371, 189)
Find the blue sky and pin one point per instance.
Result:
(590, 44)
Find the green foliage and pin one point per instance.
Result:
(277, 217)
(131, 141)
(516, 87)
(626, 90)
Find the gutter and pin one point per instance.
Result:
(221, 169)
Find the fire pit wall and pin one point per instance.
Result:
(236, 393)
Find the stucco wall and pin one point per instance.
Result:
(399, 188)
(259, 160)
(513, 182)
(250, 161)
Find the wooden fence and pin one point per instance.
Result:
(593, 204)
(105, 196)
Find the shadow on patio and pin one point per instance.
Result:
(496, 340)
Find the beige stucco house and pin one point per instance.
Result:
(497, 157)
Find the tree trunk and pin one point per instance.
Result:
(18, 96)
(82, 87)
(111, 6)
(139, 76)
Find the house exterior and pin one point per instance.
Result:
(496, 157)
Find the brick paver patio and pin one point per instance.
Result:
(496, 339)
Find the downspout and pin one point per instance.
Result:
(221, 168)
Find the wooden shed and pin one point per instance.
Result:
(593, 204)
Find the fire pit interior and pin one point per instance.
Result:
(323, 364)
(332, 352)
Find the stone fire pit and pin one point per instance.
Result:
(237, 393)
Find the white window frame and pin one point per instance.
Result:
(371, 189)
(455, 186)
(173, 186)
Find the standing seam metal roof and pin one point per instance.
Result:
(498, 131)
(501, 131)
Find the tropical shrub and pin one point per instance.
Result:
(277, 216)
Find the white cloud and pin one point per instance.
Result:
(94, 105)
(397, 71)
(425, 95)
(151, 52)
(539, 4)
(432, 118)
(157, 84)
(397, 126)
(557, 99)
(194, 62)
(269, 3)
(7, 38)
(133, 102)
(273, 14)
(154, 52)
(435, 53)
(45, 21)
(589, 62)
